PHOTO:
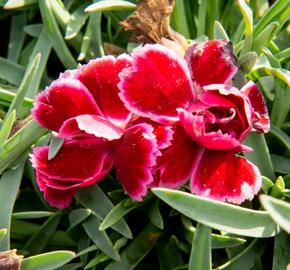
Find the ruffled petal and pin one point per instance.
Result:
(211, 62)
(63, 99)
(220, 120)
(224, 176)
(55, 197)
(260, 117)
(90, 125)
(101, 78)
(176, 163)
(77, 161)
(156, 84)
(135, 156)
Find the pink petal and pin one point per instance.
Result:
(211, 62)
(55, 197)
(77, 161)
(220, 120)
(260, 118)
(101, 77)
(156, 84)
(135, 156)
(63, 99)
(176, 163)
(90, 124)
(223, 176)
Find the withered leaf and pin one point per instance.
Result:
(150, 21)
(9, 260)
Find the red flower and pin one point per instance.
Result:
(210, 119)
(84, 107)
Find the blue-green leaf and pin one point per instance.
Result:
(219, 215)
(109, 5)
(278, 210)
(200, 257)
(47, 261)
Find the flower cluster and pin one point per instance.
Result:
(155, 117)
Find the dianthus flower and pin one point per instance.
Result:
(83, 107)
(208, 116)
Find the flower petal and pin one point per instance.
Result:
(175, 165)
(156, 84)
(77, 161)
(220, 120)
(223, 176)
(55, 197)
(63, 99)
(260, 118)
(211, 62)
(101, 77)
(90, 124)
(135, 155)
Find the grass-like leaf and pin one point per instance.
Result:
(6, 127)
(100, 238)
(219, 215)
(27, 79)
(3, 232)
(93, 198)
(55, 35)
(32, 214)
(54, 146)
(200, 257)
(47, 261)
(247, 258)
(77, 216)
(137, 249)
(9, 186)
(109, 5)
(278, 210)
(40, 239)
(119, 211)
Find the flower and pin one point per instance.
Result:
(209, 117)
(84, 108)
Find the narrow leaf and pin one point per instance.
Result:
(3, 232)
(119, 211)
(55, 35)
(281, 256)
(200, 257)
(28, 77)
(220, 32)
(271, 13)
(281, 135)
(47, 261)
(260, 156)
(100, 238)
(279, 73)
(109, 5)
(77, 20)
(40, 239)
(278, 210)
(137, 249)
(11, 71)
(54, 146)
(155, 215)
(6, 127)
(281, 164)
(247, 258)
(32, 214)
(17, 4)
(217, 241)
(96, 200)
(77, 216)
(219, 215)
